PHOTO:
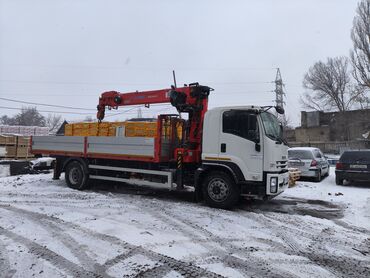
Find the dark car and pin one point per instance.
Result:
(353, 166)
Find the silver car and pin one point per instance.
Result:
(310, 161)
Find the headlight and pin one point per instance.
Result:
(273, 185)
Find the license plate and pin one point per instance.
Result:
(357, 166)
(296, 163)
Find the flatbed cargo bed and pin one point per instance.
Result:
(95, 146)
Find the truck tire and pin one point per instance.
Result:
(220, 190)
(76, 175)
(338, 181)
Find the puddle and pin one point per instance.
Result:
(298, 206)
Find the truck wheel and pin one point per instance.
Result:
(318, 177)
(220, 191)
(338, 181)
(76, 176)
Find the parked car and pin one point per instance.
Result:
(42, 163)
(310, 161)
(353, 166)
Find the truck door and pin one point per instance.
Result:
(239, 135)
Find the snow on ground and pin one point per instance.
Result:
(4, 170)
(311, 230)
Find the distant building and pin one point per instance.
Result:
(61, 129)
(332, 131)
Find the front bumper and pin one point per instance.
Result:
(310, 173)
(283, 182)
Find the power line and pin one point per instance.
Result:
(44, 104)
(164, 68)
(120, 113)
(49, 95)
(243, 92)
(240, 83)
(81, 83)
(123, 83)
(47, 111)
(217, 91)
(81, 113)
(136, 107)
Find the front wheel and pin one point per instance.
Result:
(220, 190)
(76, 175)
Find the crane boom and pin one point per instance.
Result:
(184, 99)
(192, 99)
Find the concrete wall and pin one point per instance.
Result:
(343, 126)
(333, 131)
(321, 133)
(333, 147)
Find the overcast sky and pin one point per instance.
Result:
(68, 52)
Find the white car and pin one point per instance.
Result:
(42, 163)
(310, 161)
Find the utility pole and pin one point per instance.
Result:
(139, 113)
(279, 94)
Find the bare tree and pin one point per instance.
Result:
(287, 123)
(5, 120)
(360, 55)
(53, 122)
(330, 86)
(29, 116)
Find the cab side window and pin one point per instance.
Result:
(241, 123)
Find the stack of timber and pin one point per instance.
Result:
(24, 130)
(130, 129)
(294, 175)
(15, 146)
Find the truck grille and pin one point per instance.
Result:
(282, 164)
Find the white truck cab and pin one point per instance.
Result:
(246, 141)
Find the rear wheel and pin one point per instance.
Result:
(328, 172)
(76, 175)
(318, 177)
(338, 181)
(220, 190)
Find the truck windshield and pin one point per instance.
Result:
(271, 126)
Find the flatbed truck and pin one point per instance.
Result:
(223, 153)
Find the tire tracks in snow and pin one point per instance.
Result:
(48, 255)
(223, 253)
(184, 268)
(339, 266)
(5, 268)
(68, 241)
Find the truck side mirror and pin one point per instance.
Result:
(279, 110)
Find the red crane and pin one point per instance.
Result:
(192, 99)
